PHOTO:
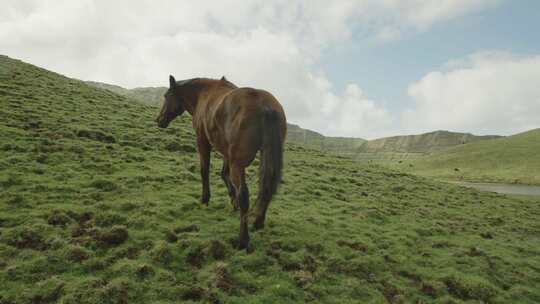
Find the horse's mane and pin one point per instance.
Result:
(185, 81)
(188, 81)
(230, 84)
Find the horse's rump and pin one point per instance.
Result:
(238, 119)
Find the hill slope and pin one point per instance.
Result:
(97, 205)
(295, 134)
(314, 140)
(148, 95)
(421, 143)
(512, 159)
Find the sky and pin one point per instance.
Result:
(364, 68)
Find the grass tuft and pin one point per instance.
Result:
(111, 237)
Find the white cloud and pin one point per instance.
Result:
(399, 17)
(424, 13)
(488, 92)
(269, 44)
(352, 107)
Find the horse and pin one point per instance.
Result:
(237, 123)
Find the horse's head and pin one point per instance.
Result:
(172, 106)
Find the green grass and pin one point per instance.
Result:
(513, 159)
(98, 205)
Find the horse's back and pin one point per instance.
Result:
(241, 114)
(245, 106)
(252, 101)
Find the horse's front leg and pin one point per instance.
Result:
(204, 154)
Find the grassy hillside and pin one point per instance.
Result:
(147, 95)
(111, 87)
(415, 145)
(514, 159)
(295, 134)
(98, 205)
(314, 140)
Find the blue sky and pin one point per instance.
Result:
(385, 70)
(359, 68)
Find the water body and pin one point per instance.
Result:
(503, 188)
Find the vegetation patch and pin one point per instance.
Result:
(188, 228)
(469, 287)
(96, 135)
(175, 146)
(58, 218)
(104, 185)
(77, 253)
(217, 250)
(112, 237)
(27, 237)
(48, 291)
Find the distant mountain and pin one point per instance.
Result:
(304, 136)
(510, 159)
(296, 134)
(146, 95)
(312, 139)
(422, 143)
(111, 87)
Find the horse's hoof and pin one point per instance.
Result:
(248, 247)
(243, 243)
(258, 224)
(234, 205)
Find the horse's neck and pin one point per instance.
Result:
(191, 103)
(207, 93)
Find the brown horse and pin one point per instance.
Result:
(237, 122)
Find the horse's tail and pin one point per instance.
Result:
(271, 156)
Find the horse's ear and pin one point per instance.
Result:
(223, 78)
(172, 82)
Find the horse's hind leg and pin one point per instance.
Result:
(242, 199)
(228, 184)
(260, 213)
